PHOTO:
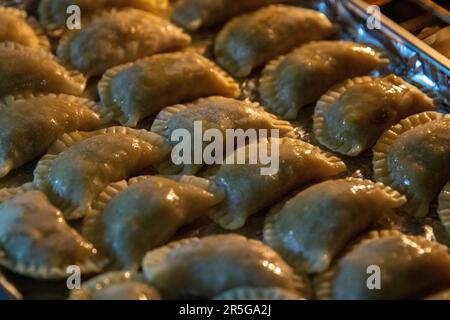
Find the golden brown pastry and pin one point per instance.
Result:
(31, 123)
(440, 41)
(134, 91)
(79, 165)
(243, 43)
(216, 113)
(15, 26)
(36, 241)
(311, 228)
(413, 157)
(442, 295)
(195, 14)
(25, 69)
(351, 116)
(387, 265)
(118, 285)
(119, 37)
(248, 190)
(299, 78)
(204, 268)
(53, 13)
(444, 207)
(250, 293)
(155, 207)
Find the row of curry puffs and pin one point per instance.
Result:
(76, 169)
(21, 144)
(288, 83)
(36, 241)
(406, 157)
(129, 34)
(192, 15)
(174, 273)
(288, 229)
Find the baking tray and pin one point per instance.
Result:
(411, 59)
(422, 64)
(435, 9)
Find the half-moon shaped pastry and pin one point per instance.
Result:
(440, 41)
(244, 41)
(215, 113)
(118, 285)
(134, 91)
(53, 13)
(119, 37)
(249, 293)
(31, 123)
(9, 193)
(351, 117)
(24, 69)
(80, 165)
(206, 267)
(130, 218)
(248, 190)
(195, 14)
(36, 241)
(15, 26)
(387, 265)
(299, 78)
(442, 295)
(313, 227)
(444, 207)
(413, 157)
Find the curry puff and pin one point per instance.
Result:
(15, 26)
(249, 293)
(31, 123)
(117, 285)
(413, 157)
(442, 295)
(444, 207)
(195, 14)
(132, 92)
(26, 69)
(351, 116)
(311, 228)
(251, 40)
(132, 217)
(299, 78)
(217, 113)
(36, 241)
(54, 17)
(248, 191)
(119, 37)
(439, 41)
(406, 267)
(79, 165)
(207, 267)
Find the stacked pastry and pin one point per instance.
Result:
(97, 110)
